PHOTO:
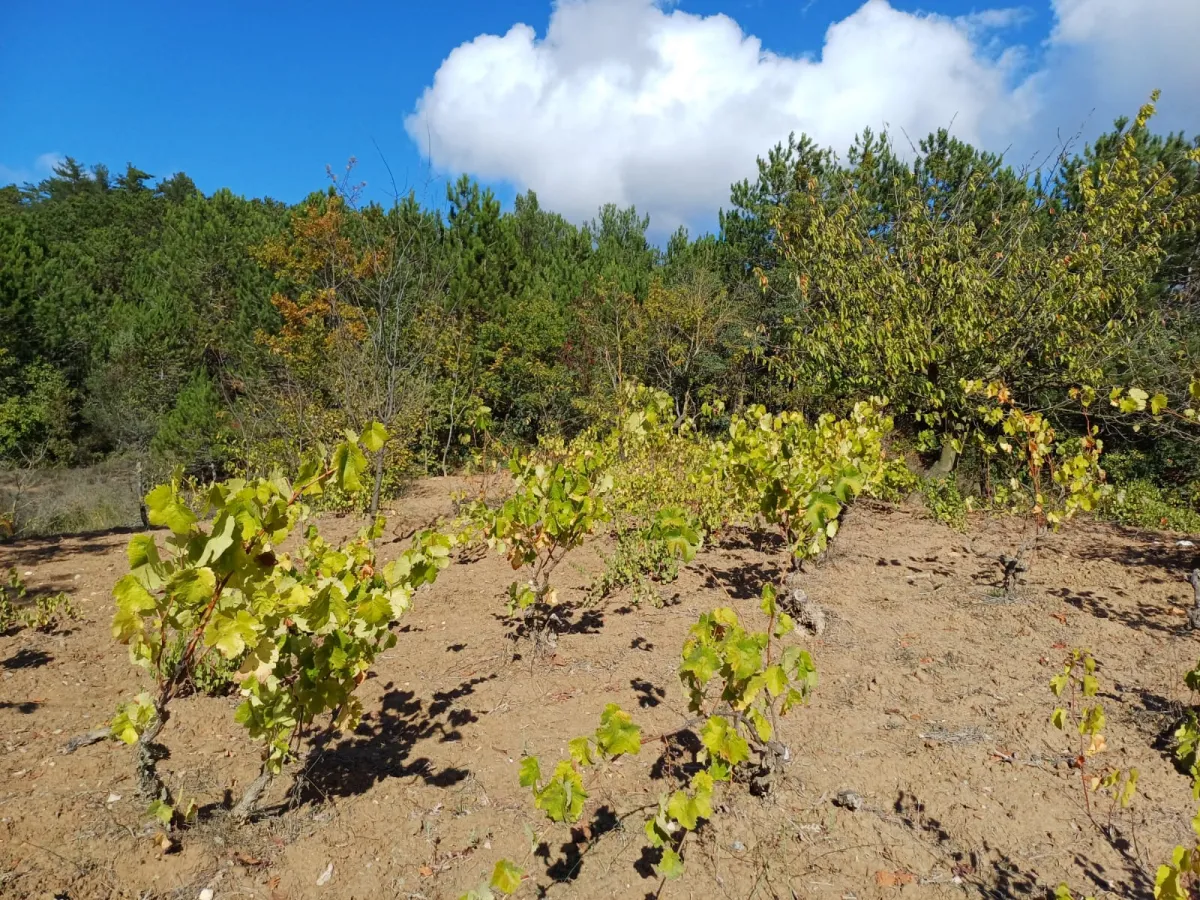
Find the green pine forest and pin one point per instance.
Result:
(148, 327)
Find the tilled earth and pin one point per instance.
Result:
(925, 764)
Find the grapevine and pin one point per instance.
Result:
(307, 626)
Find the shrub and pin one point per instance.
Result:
(944, 501)
(1142, 504)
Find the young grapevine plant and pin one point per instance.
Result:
(1179, 879)
(555, 506)
(738, 683)
(306, 626)
(1084, 714)
(1187, 735)
(1063, 477)
(799, 474)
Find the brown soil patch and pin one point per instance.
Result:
(932, 706)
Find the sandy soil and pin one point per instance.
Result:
(932, 706)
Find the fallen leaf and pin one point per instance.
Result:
(884, 878)
(425, 871)
(247, 860)
(1062, 617)
(1059, 645)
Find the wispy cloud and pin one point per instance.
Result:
(41, 167)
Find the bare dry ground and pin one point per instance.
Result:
(932, 706)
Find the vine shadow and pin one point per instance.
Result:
(571, 854)
(1141, 617)
(27, 659)
(1004, 878)
(745, 581)
(649, 694)
(381, 746)
(572, 617)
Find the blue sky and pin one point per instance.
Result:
(261, 96)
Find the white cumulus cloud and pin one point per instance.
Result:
(633, 101)
(1107, 56)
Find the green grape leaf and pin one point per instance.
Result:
(165, 508)
(768, 599)
(374, 437)
(822, 509)
(230, 634)
(162, 811)
(617, 733)
(671, 866)
(776, 680)
(683, 809)
(702, 663)
(723, 741)
(348, 464)
(744, 657)
(132, 600)
(762, 725)
(580, 749)
(142, 551)
(530, 772)
(848, 484)
(784, 625)
(702, 788)
(506, 877)
(219, 540)
(1059, 683)
(133, 718)
(563, 796)
(375, 609)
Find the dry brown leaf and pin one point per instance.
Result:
(884, 878)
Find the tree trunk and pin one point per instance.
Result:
(946, 462)
(249, 802)
(150, 786)
(141, 495)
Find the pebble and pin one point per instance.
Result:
(325, 876)
(206, 894)
(113, 798)
(737, 846)
(850, 800)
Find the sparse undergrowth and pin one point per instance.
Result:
(48, 612)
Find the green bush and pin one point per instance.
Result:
(896, 482)
(1142, 504)
(945, 502)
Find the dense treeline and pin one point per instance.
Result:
(225, 334)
